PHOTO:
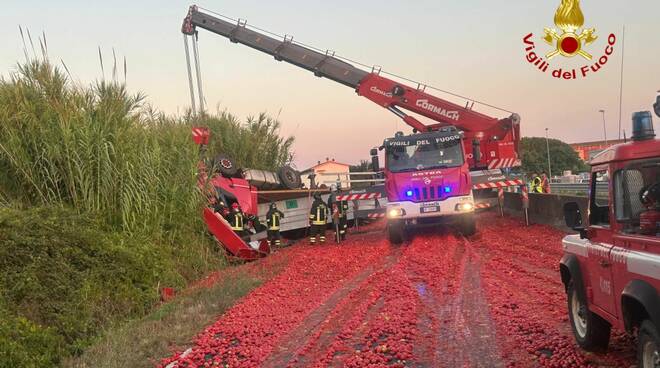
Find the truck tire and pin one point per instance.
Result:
(225, 166)
(591, 331)
(289, 177)
(468, 225)
(396, 232)
(648, 346)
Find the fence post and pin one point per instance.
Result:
(500, 200)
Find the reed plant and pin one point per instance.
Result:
(99, 205)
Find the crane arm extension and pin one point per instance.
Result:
(322, 65)
(380, 90)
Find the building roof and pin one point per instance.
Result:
(597, 143)
(327, 161)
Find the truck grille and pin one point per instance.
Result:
(427, 193)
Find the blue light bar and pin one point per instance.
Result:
(409, 193)
(447, 189)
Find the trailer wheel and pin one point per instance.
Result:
(468, 225)
(289, 177)
(591, 332)
(224, 165)
(396, 232)
(648, 346)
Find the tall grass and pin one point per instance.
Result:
(256, 144)
(99, 205)
(95, 148)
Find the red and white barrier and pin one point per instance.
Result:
(504, 163)
(499, 184)
(362, 196)
(201, 135)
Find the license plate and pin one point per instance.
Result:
(430, 209)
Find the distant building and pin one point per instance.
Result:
(327, 173)
(588, 150)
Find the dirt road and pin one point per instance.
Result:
(440, 300)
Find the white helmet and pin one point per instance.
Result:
(333, 187)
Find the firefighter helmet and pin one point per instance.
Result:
(317, 195)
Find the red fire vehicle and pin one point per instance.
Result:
(433, 174)
(611, 270)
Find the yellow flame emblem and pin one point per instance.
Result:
(569, 18)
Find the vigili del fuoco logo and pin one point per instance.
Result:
(569, 41)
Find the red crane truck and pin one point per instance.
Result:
(611, 270)
(430, 175)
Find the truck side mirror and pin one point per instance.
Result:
(375, 165)
(476, 150)
(373, 152)
(656, 106)
(573, 218)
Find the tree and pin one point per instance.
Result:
(363, 166)
(534, 154)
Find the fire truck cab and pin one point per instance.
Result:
(611, 269)
(427, 182)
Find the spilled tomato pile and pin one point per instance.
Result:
(439, 301)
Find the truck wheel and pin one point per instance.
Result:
(395, 230)
(224, 165)
(590, 330)
(648, 346)
(468, 225)
(289, 177)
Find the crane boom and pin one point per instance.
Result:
(481, 130)
(322, 65)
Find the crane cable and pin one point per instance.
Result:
(365, 66)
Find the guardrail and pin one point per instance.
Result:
(577, 187)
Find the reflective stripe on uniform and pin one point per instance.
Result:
(238, 223)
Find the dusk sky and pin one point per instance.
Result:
(470, 47)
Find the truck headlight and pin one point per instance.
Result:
(465, 207)
(396, 212)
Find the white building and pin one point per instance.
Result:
(327, 173)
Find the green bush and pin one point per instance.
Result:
(65, 271)
(25, 344)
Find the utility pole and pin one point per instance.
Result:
(547, 145)
(604, 126)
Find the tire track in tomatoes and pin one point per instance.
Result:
(247, 333)
(528, 305)
(435, 342)
(393, 337)
(316, 333)
(480, 337)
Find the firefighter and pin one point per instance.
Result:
(318, 215)
(545, 183)
(273, 217)
(536, 184)
(235, 218)
(339, 210)
(221, 208)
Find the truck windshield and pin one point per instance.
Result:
(422, 154)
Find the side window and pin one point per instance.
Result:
(600, 199)
(629, 184)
